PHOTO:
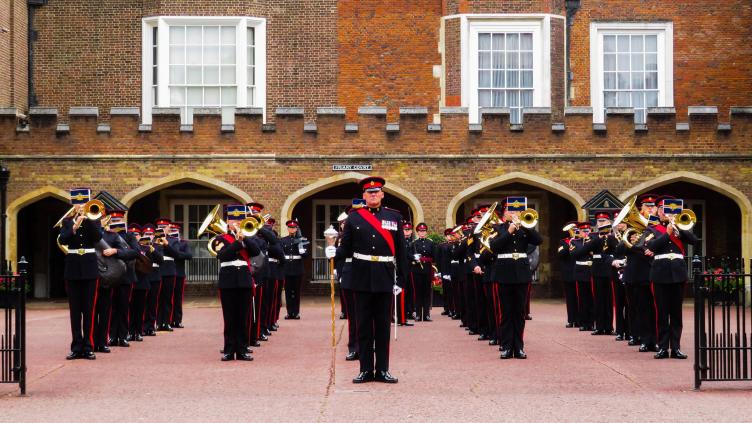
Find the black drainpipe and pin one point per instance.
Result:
(572, 7)
(32, 36)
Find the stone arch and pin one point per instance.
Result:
(512, 177)
(11, 221)
(325, 183)
(181, 177)
(739, 198)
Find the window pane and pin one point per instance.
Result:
(228, 55)
(177, 35)
(623, 79)
(609, 80)
(251, 75)
(638, 100)
(177, 55)
(177, 96)
(229, 95)
(484, 41)
(638, 63)
(513, 80)
(211, 55)
(228, 74)
(609, 62)
(651, 80)
(526, 60)
(651, 98)
(193, 55)
(251, 98)
(228, 35)
(623, 99)
(513, 99)
(636, 43)
(193, 35)
(485, 98)
(498, 79)
(211, 35)
(609, 43)
(498, 41)
(514, 116)
(609, 99)
(623, 62)
(211, 96)
(651, 62)
(622, 43)
(195, 96)
(177, 74)
(526, 98)
(513, 60)
(638, 80)
(251, 56)
(498, 60)
(484, 60)
(498, 98)
(484, 79)
(527, 79)
(526, 41)
(193, 74)
(513, 42)
(250, 37)
(211, 75)
(651, 43)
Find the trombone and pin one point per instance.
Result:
(92, 209)
(685, 220)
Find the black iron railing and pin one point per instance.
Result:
(13, 329)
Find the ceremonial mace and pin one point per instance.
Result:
(331, 238)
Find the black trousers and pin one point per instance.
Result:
(470, 309)
(402, 315)
(137, 311)
(278, 299)
(512, 298)
(177, 307)
(446, 287)
(490, 307)
(81, 303)
(102, 315)
(459, 299)
(165, 301)
(480, 304)
(604, 304)
(374, 312)
(422, 283)
(152, 305)
(348, 299)
(621, 308)
(410, 296)
(585, 315)
(570, 295)
(292, 294)
(646, 314)
(342, 307)
(669, 299)
(267, 303)
(235, 314)
(121, 298)
(633, 320)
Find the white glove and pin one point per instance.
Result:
(439, 275)
(396, 289)
(335, 273)
(447, 277)
(330, 252)
(618, 263)
(301, 249)
(416, 257)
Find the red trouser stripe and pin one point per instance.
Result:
(93, 313)
(655, 307)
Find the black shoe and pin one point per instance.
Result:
(267, 332)
(256, 344)
(88, 355)
(455, 317)
(342, 316)
(646, 348)
(228, 357)
(408, 323)
(483, 337)
(520, 354)
(73, 356)
(528, 317)
(288, 317)
(273, 328)
(597, 332)
(632, 342)
(425, 319)
(472, 332)
(462, 325)
(444, 313)
(138, 338)
(619, 337)
(150, 332)
(178, 325)
(363, 377)
(678, 354)
(103, 349)
(123, 343)
(351, 356)
(661, 354)
(505, 354)
(129, 338)
(586, 328)
(569, 325)
(384, 376)
(263, 337)
(165, 328)
(418, 319)
(243, 357)
(297, 317)
(493, 342)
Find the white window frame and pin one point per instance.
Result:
(326, 203)
(471, 25)
(163, 73)
(665, 42)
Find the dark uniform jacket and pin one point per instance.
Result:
(360, 237)
(426, 251)
(156, 275)
(509, 270)
(268, 243)
(80, 266)
(169, 267)
(580, 250)
(184, 253)
(669, 270)
(132, 242)
(235, 276)
(458, 256)
(637, 267)
(567, 261)
(604, 247)
(293, 257)
(124, 252)
(143, 279)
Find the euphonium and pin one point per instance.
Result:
(485, 228)
(213, 223)
(529, 218)
(636, 223)
(685, 220)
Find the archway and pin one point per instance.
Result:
(724, 213)
(555, 203)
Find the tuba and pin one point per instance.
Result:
(485, 228)
(213, 223)
(636, 223)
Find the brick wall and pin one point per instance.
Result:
(452, 7)
(5, 54)
(387, 49)
(712, 48)
(13, 54)
(452, 62)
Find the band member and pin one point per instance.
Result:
(168, 270)
(158, 241)
(669, 274)
(423, 256)
(443, 265)
(184, 253)
(234, 251)
(567, 273)
(512, 272)
(121, 294)
(295, 250)
(141, 288)
(343, 269)
(276, 282)
(603, 246)
(372, 237)
(580, 251)
(472, 277)
(621, 295)
(81, 273)
(260, 293)
(406, 299)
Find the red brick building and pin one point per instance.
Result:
(173, 106)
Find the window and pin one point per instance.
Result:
(697, 206)
(631, 66)
(204, 62)
(506, 63)
(325, 213)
